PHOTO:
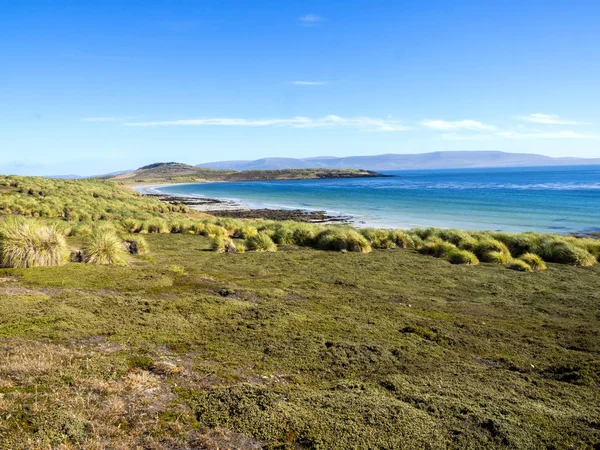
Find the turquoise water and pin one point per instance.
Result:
(549, 199)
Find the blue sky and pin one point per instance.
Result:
(95, 86)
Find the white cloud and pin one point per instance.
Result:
(548, 119)
(309, 83)
(331, 121)
(310, 19)
(445, 125)
(547, 135)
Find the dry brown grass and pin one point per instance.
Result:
(87, 397)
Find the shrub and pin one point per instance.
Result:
(241, 247)
(262, 242)
(26, 244)
(534, 261)
(103, 247)
(495, 257)
(136, 245)
(457, 256)
(519, 265)
(342, 239)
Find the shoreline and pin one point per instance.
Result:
(224, 207)
(229, 208)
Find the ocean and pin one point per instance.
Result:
(544, 199)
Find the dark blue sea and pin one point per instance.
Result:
(548, 199)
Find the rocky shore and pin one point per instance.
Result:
(225, 208)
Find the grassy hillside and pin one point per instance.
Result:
(183, 173)
(399, 339)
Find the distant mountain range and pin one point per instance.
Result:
(392, 161)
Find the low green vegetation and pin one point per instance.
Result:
(176, 337)
(301, 348)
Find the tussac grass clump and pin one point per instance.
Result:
(136, 245)
(457, 256)
(103, 247)
(496, 257)
(534, 261)
(436, 247)
(379, 238)
(519, 265)
(564, 252)
(25, 244)
(261, 242)
(488, 245)
(222, 244)
(342, 239)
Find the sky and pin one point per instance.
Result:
(91, 87)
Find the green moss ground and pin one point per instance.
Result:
(298, 349)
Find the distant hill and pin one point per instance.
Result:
(173, 172)
(392, 161)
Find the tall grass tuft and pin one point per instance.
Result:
(222, 244)
(342, 239)
(495, 257)
(136, 245)
(402, 239)
(379, 238)
(519, 265)
(261, 242)
(305, 234)
(436, 247)
(157, 226)
(534, 261)
(487, 246)
(25, 244)
(212, 230)
(103, 247)
(457, 256)
(563, 252)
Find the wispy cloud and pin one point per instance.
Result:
(548, 119)
(310, 20)
(562, 134)
(102, 119)
(331, 121)
(445, 125)
(309, 83)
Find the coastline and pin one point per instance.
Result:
(229, 208)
